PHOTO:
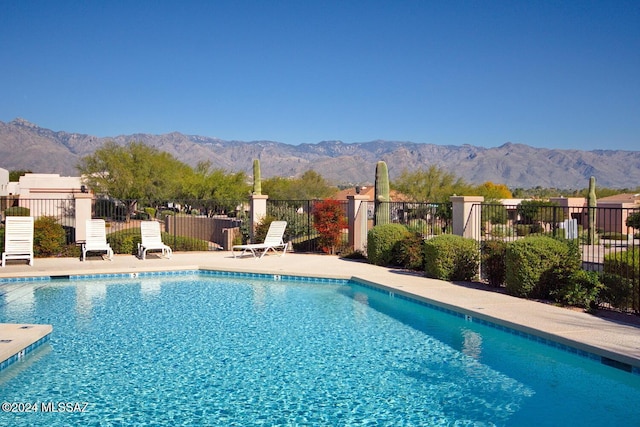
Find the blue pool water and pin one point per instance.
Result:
(202, 350)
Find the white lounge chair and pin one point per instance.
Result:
(18, 239)
(152, 240)
(96, 239)
(272, 242)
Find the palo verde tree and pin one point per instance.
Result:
(430, 185)
(311, 185)
(132, 172)
(491, 191)
(206, 183)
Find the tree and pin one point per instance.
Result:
(329, 220)
(14, 176)
(228, 190)
(311, 185)
(540, 211)
(431, 185)
(132, 172)
(492, 191)
(633, 220)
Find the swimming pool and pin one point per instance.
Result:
(199, 349)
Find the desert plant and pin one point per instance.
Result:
(381, 240)
(592, 203)
(451, 257)
(493, 261)
(257, 181)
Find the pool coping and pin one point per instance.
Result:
(615, 343)
(17, 340)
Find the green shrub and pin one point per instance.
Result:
(262, 228)
(621, 270)
(536, 265)
(409, 252)
(501, 230)
(493, 254)
(165, 213)
(150, 211)
(381, 240)
(582, 290)
(451, 257)
(523, 230)
(49, 237)
(17, 211)
(185, 244)
(614, 235)
(125, 241)
(617, 291)
(418, 225)
(583, 237)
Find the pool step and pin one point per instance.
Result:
(18, 340)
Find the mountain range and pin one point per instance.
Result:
(26, 146)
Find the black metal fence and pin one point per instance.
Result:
(61, 211)
(428, 219)
(607, 245)
(186, 224)
(301, 230)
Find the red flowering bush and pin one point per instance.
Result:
(329, 220)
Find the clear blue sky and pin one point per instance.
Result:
(557, 74)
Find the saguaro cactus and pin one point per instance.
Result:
(592, 204)
(382, 194)
(257, 182)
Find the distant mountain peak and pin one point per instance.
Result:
(24, 145)
(19, 121)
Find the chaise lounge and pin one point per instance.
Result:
(273, 241)
(152, 240)
(96, 239)
(18, 239)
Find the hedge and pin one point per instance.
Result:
(451, 257)
(381, 240)
(536, 265)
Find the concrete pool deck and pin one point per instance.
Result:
(611, 339)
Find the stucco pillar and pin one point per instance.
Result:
(357, 219)
(83, 213)
(257, 211)
(465, 224)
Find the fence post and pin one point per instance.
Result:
(357, 219)
(257, 211)
(83, 213)
(463, 224)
